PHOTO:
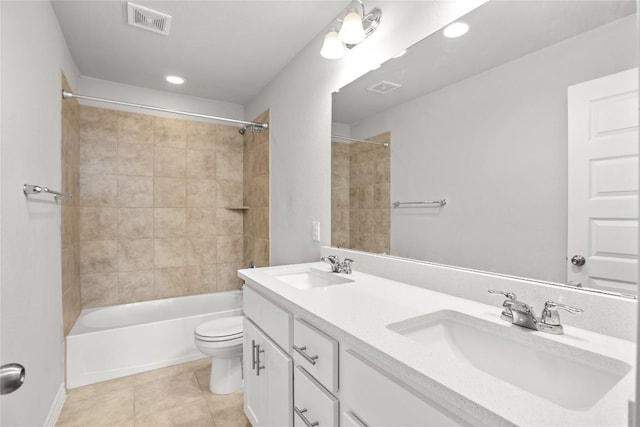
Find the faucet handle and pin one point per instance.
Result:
(509, 295)
(507, 314)
(346, 265)
(550, 314)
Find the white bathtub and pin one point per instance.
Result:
(119, 340)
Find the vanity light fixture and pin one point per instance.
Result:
(456, 29)
(332, 47)
(176, 80)
(355, 27)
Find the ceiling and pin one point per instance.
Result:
(500, 31)
(226, 50)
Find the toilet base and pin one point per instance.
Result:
(226, 375)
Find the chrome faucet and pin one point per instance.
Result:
(521, 314)
(336, 265)
(333, 261)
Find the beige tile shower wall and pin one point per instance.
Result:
(70, 246)
(369, 195)
(340, 185)
(152, 196)
(256, 195)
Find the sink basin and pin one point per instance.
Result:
(310, 278)
(562, 374)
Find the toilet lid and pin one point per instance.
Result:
(222, 329)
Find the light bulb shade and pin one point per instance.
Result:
(332, 47)
(352, 31)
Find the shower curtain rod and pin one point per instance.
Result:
(67, 95)
(386, 144)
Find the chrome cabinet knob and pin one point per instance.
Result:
(578, 260)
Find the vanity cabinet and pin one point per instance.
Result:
(268, 369)
(296, 375)
(370, 398)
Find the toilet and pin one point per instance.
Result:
(222, 340)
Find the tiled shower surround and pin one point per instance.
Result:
(360, 201)
(153, 221)
(256, 195)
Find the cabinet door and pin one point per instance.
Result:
(371, 398)
(278, 372)
(268, 378)
(255, 390)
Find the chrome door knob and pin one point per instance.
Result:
(578, 260)
(11, 377)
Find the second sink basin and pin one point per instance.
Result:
(562, 374)
(309, 278)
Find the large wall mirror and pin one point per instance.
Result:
(518, 140)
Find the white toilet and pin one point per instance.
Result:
(222, 340)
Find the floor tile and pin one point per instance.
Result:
(99, 389)
(112, 409)
(166, 393)
(191, 415)
(227, 409)
(170, 371)
(174, 396)
(203, 376)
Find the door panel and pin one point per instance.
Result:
(603, 182)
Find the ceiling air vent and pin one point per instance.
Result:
(148, 19)
(384, 87)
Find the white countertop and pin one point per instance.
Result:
(359, 312)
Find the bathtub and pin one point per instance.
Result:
(119, 340)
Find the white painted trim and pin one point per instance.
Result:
(56, 408)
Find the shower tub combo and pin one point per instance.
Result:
(115, 341)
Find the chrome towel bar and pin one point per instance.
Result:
(428, 203)
(36, 189)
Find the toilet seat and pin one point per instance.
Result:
(220, 330)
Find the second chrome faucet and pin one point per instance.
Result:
(521, 314)
(338, 266)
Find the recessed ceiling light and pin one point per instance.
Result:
(399, 54)
(456, 29)
(176, 80)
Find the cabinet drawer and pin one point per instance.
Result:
(273, 320)
(317, 353)
(312, 402)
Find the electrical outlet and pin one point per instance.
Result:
(316, 231)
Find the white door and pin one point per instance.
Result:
(603, 183)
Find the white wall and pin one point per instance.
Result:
(300, 102)
(33, 54)
(170, 100)
(495, 145)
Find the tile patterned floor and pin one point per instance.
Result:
(175, 396)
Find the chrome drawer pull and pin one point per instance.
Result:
(301, 413)
(310, 359)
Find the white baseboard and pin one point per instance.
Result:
(56, 408)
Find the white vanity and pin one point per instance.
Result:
(362, 350)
